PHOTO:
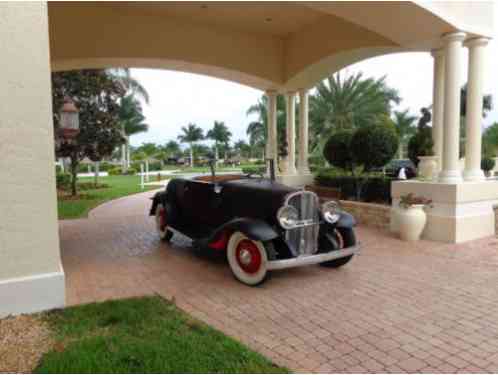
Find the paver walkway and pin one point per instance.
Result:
(397, 307)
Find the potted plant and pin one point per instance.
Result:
(411, 216)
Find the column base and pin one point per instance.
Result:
(32, 294)
(473, 175)
(459, 212)
(450, 176)
(295, 180)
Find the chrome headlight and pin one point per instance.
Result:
(288, 217)
(330, 212)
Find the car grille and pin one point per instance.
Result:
(303, 240)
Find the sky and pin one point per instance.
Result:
(178, 98)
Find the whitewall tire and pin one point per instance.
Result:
(247, 259)
(162, 224)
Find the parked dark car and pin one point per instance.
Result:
(394, 166)
(262, 225)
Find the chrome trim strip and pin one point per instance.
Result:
(306, 260)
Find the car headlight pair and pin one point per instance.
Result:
(288, 216)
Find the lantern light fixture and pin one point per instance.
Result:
(69, 119)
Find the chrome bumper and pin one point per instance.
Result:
(306, 260)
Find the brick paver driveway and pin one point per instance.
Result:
(397, 307)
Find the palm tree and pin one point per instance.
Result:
(346, 103)
(172, 148)
(220, 135)
(257, 130)
(191, 134)
(130, 84)
(150, 151)
(404, 125)
(132, 122)
(241, 147)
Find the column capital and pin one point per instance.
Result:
(457, 36)
(271, 92)
(474, 42)
(290, 93)
(303, 91)
(437, 53)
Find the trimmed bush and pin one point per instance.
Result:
(115, 171)
(253, 170)
(420, 145)
(374, 146)
(487, 164)
(337, 150)
(375, 189)
(62, 181)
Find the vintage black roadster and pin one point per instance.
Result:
(262, 225)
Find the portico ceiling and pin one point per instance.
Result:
(267, 45)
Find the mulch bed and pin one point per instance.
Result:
(23, 341)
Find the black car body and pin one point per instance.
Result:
(261, 224)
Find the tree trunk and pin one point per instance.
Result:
(74, 175)
(123, 157)
(96, 173)
(400, 150)
(191, 156)
(128, 153)
(147, 170)
(216, 153)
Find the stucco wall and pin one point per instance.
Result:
(29, 243)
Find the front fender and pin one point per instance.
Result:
(254, 229)
(346, 220)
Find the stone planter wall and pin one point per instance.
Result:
(369, 214)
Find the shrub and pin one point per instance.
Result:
(253, 170)
(420, 144)
(374, 146)
(131, 171)
(115, 171)
(62, 181)
(337, 150)
(487, 164)
(374, 188)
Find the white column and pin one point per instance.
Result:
(438, 105)
(473, 124)
(291, 132)
(31, 276)
(271, 150)
(302, 163)
(450, 172)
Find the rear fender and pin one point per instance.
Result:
(254, 229)
(156, 199)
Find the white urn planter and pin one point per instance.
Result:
(411, 222)
(427, 167)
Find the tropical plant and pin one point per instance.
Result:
(404, 123)
(487, 102)
(132, 122)
(242, 148)
(171, 149)
(258, 130)
(96, 94)
(191, 134)
(348, 102)
(131, 85)
(220, 135)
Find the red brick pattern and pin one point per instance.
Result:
(397, 307)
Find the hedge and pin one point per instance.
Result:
(375, 189)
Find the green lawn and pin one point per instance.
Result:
(143, 335)
(119, 186)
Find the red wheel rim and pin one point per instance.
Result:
(248, 256)
(162, 219)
